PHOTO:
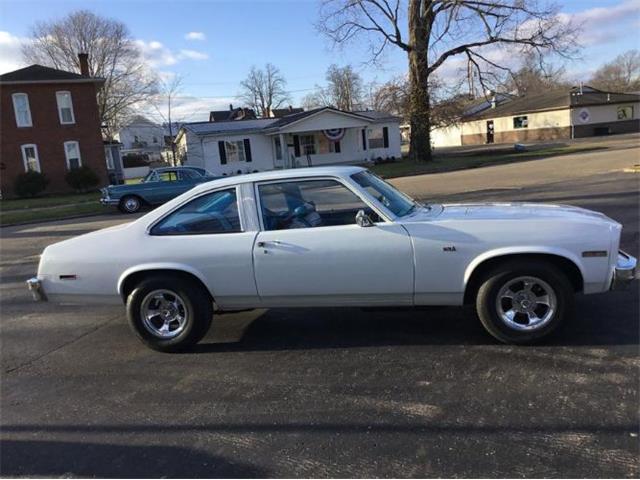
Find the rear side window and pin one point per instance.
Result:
(215, 212)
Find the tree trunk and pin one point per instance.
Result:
(419, 118)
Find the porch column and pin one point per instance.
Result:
(284, 151)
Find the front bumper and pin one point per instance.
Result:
(35, 287)
(625, 271)
(109, 201)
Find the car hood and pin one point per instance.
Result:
(507, 211)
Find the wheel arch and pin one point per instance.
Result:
(486, 262)
(132, 276)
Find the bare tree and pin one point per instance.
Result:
(535, 76)
(344, 90)
(317, 98)
(113, 55)
(391, 97)
(441, 30)
(344, 87)
(164, 104)
(264, 89)
(620, 75)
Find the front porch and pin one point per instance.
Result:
(327, 138)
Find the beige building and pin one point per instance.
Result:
(560, 114)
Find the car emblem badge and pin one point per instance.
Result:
(449, 248)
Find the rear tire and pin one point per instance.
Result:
(169, 313)
(130, 204)
(521, 302)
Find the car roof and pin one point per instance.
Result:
(160, 169)
(306, 172)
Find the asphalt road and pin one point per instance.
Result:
(326, 392)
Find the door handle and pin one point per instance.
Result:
(262, 244)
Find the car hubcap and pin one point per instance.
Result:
(131, 204)
(163, 314)
(526, 303)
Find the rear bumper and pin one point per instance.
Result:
(35, 287)
(625, 271)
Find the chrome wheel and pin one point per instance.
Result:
(526, 303)
(164, 314)
(131, 204)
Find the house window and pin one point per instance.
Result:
(520, 122)
(30, 158)
(72, 153)
(308, 144)
(376, 138)
(109, 156)
(65, 108)
(21, 109)
(235, 151)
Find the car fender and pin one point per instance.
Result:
(162, 266)
(519, 250)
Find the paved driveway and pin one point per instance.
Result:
(326, 392)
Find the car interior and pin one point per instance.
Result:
(309, 204)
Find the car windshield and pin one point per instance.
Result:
(396, 201)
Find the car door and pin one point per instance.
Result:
(169, 186)
(210, 236)
(311, 252)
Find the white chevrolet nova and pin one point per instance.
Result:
(335, 236)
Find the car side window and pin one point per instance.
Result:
(170, 176)
(216, 212)
(309, 204)
(188, 175)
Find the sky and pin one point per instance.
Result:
(212, 44)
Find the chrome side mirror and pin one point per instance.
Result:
(363, 220)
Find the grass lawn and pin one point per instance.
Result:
(48, 201)
(53, 213)
(49, 207)
(451, 162)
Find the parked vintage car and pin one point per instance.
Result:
(159, 186)
(336, 236)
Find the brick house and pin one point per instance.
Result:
(49, 122)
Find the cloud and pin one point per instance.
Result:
(11, 58)
(158, 55)
(187, 108)
(195, 36)
(193, 55)
(604, 25)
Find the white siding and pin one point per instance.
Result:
(446, 136)
(603, 113)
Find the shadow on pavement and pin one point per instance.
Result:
(609, 319)
(54, 458)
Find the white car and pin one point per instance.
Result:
(335, 236)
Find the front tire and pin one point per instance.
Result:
(521, 302)
(169, 313)
(130, 204)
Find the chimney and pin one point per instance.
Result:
(493, 99)
(290, 108)
(84, 64)
(231, 106)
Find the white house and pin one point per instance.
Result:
(321, 136)
(142, 136)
